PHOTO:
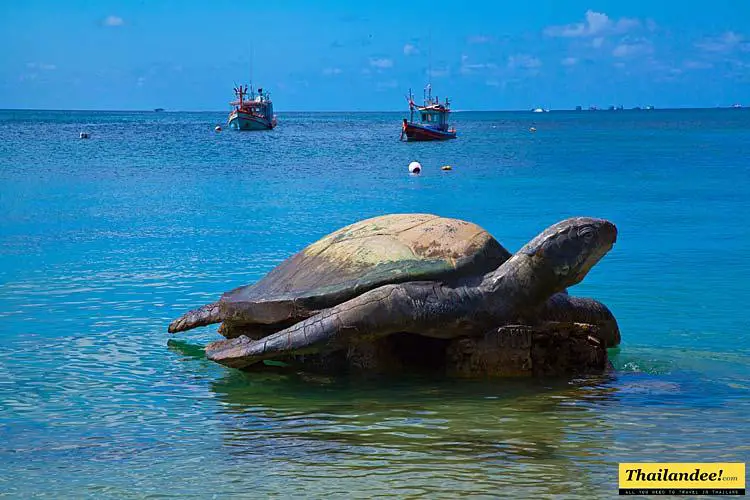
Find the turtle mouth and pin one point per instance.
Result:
(607, 239)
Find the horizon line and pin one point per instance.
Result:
(527, 110)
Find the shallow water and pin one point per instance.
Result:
(104, 241)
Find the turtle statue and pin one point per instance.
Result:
(415, 273)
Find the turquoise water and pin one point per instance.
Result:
(104, 241)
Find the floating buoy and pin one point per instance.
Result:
(532, 129)
(83, 135)
(446, 167)
(217, 128)
(415, 167)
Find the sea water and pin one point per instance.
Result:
(104, 241)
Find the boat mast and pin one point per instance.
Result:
(240, 93)
(428, 90)
(251, 68)
(411, 106)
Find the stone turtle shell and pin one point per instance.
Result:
(362, 256)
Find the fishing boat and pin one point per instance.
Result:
(251, 110)
(433, 119)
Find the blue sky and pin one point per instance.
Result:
(348, 55)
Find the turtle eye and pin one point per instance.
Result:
(587, 233)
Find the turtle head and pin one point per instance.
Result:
(570, 248)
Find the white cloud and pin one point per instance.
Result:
(664, 72)
(479, 39)
(381, 63)
(569, 61)
(42, 66)
(594, 24)
(697, 65)
(468, 68)
(524, 61)
(726, 42)
(386, 85)
(410, 50)
(113, 21)
(439, 72)
(633, 48)
(332, 71)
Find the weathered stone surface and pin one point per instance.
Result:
(569, 348)
(503, 352)
(559, 257)
(362, 256)
(519, 350)
(549, 349)
(567, 309)
(387, 356)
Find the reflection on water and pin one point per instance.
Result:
(103, 242)
(169, 420)
(81, 406)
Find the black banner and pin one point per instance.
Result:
(682, 491)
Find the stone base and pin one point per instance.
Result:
(549, 349)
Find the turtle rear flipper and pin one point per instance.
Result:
(202, 316)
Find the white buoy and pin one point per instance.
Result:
(415, 167)
(83, 135)
(217, 128)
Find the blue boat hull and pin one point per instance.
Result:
(244, 121)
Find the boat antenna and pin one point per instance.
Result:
(251, 66)
(429, 56)
(429, 65)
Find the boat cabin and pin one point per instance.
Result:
(259, 104)
(433, 113)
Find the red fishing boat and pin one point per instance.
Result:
(433, 119)
(251, 111)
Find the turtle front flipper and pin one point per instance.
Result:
(407, 307)
(566, 308)
(202, 316)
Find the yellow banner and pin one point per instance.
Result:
(682, 476)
